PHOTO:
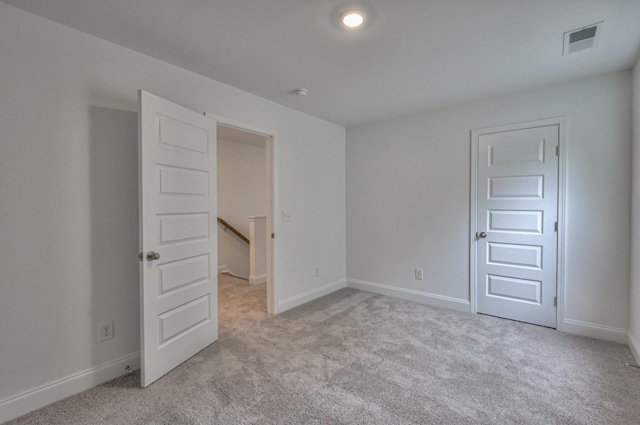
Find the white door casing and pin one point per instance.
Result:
(272, 287)
(178, 290)
(515, 204)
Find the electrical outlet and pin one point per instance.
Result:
(105, 331)
(286, 216)
(419, 273)
(317, 271)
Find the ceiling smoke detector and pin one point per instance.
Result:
(582, 38)
(301, 92)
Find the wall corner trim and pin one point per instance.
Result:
(258, 280)
(594, 330)
(310, 295)
(411, 295)
(634, 346)
(35, 398)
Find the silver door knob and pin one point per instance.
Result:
(482, 235)
(152, 256)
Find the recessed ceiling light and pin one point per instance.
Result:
(352, 18)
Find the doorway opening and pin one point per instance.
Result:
(178, 231)
(245, 200)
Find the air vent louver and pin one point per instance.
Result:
(582, 38)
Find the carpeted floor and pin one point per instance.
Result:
(237, 299)
(354, 357)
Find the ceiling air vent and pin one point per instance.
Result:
(581, 38)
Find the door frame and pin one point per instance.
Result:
(562, 161)
(272, 287)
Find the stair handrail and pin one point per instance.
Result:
(234, 231)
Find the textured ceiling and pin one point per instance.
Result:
(411, 55)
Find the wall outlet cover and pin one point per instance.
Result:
(105, 331)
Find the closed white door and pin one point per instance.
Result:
(179, 286)
(517, 212)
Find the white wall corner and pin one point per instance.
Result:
(634, 346)
(411, 295)
(594, 330)
(43, 395)
(310, 295)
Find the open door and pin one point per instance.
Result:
(178, 248)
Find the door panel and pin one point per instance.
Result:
(515, 221)
(502, 254)
(179, 301)
(516, 187)
(517, 210)
(509, 288)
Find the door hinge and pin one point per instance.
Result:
(555, 226)
(558, 150)
(273, 236)
(555, 301)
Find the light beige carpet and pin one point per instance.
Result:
(354, 357)
(237, 299)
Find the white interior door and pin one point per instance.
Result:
(179, 282)
(517, 212)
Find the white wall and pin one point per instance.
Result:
(241, 193)
(408, 199)
(634, 322)
(68, 209)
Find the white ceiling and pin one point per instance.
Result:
(412, 55)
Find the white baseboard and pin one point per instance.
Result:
(594, 330)
(223, 269)
(305, 297)
(258, 280)
(634, 346)
(410, 294)
(35, 398)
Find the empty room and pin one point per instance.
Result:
(327, 212)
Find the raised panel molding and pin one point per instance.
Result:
(516, 255)
(182, 136)
(514, 289)
(184, 319)
(176, 228)
(179, 274)
(528, 222)
(502, 154)
(182, 181)
(511, 187)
